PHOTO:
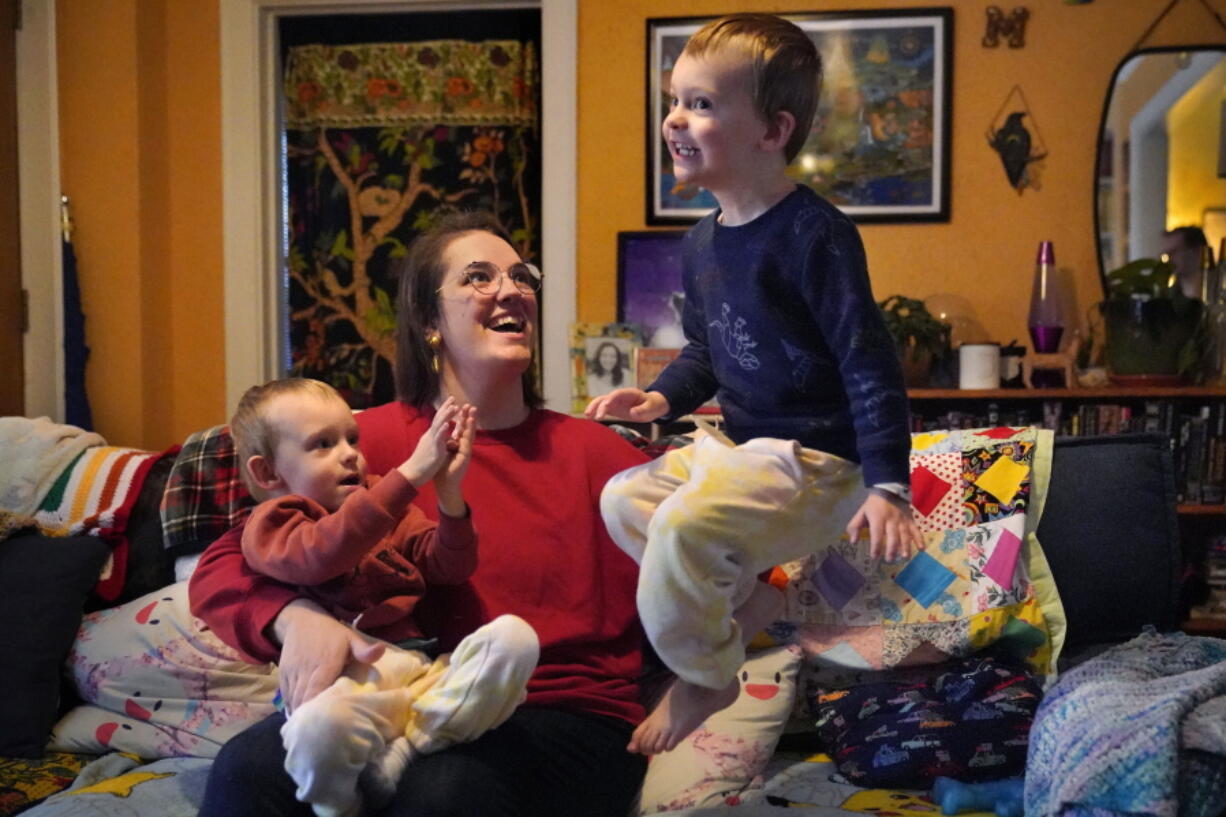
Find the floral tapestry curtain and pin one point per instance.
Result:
(382, 138)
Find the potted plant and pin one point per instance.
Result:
(1152, 329)
(920, 338)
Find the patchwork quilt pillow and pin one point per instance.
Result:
(971, 723)
(981, 579)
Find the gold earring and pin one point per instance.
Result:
(434, 341)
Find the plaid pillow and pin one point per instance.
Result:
(205, 495)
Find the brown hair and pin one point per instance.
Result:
(786, 68)
(252, 432)
(421, 273)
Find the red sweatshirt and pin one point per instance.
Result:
(369, 563)
(545, 556)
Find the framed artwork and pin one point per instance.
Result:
(879, 148)
(649, 291)
(602, 359)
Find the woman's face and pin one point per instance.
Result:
(608, 357)
(483, 330)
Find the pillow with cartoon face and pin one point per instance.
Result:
(724, 758)
(157, 683)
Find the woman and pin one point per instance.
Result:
(467, 328)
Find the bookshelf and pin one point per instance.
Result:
(1193, 417)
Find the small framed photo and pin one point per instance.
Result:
(879, 148)
(602, 359)
(649, 292)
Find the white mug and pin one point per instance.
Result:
(979, 366)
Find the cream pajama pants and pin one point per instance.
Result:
(455, 698)
(704, 520)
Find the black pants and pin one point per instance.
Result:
(540, 763)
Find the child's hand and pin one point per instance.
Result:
(431, 452)
(634, 405)
(460, 452)
(891, 530)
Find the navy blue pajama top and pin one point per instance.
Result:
(783, 329)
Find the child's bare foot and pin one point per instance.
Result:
(682, 710)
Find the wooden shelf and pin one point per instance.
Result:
(1201, 510)
(1104, 392)
(1205, 625)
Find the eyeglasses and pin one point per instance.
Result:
(486, 277)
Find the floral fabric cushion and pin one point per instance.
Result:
(724, 758)
(157, 684)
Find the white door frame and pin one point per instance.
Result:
(251, 221)
(38, 174)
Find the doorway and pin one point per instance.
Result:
(12, 311)
(389, 121)
(252, 225)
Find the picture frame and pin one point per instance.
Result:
(649, 293)
(593, 373)
(879, 148)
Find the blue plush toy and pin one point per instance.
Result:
(1001, 796)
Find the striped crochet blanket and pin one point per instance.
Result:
(1139, 730)
(94, 496)
(34, 452)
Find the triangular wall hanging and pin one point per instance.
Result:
(1162, 15)
(1009, 134)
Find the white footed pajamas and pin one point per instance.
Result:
(367, 715)
(704, 520)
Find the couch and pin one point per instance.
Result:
(1108, 528)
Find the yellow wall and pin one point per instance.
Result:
(985, 255)
(1130, 94)
(140, 137)
(140, 150)
(1195, 122)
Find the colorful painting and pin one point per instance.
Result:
(879, 147)
(649, 290)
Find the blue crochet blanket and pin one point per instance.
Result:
(1138, 730)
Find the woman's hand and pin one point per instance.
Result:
(460, 447)
(635, 405)
(315, 648)
(892, 532)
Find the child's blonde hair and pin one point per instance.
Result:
(253, 433)
(786, 68)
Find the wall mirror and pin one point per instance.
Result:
(1161, 152)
